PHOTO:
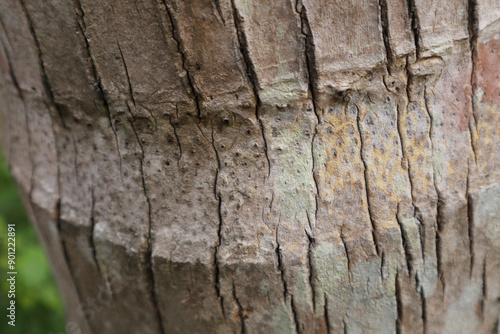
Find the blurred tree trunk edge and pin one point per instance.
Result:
(225, 166)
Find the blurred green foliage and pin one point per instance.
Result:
(38, 305)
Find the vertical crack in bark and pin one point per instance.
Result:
(311, 243)
(295, 315)
(327, 320)
(484, 291)
(424, 310)
(439, 222)
(92, 229)
(310, 56)
(404, 241)
(280, 261)
(365, 174)
(178, 142)
(108, 111)
(439, 244)
(184, 60)
(219, 11)
(399, 304)
(407, 165)
(473, 27)
(148, 254)
(82, 26)
(470, 220)
(241, 311)
(312, 76)
(384, 21)
(219, 230)
(129, 83)
(346, 254)
(415, 26)
(245, 53)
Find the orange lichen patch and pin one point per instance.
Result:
(242, 313)
(487, 65)
(486, 109)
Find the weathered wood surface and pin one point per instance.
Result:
(260, 166)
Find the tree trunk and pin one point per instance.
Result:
(260, 166)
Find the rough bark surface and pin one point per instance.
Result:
(309, 166)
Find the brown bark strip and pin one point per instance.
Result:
(50, 96)
(243, 44)
(177, 38)
(21, 95)
(82, 26)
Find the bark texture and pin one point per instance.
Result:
(221, 166)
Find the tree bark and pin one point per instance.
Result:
(260, 166)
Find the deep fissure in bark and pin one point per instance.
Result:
(365, 175)
(149, 250)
